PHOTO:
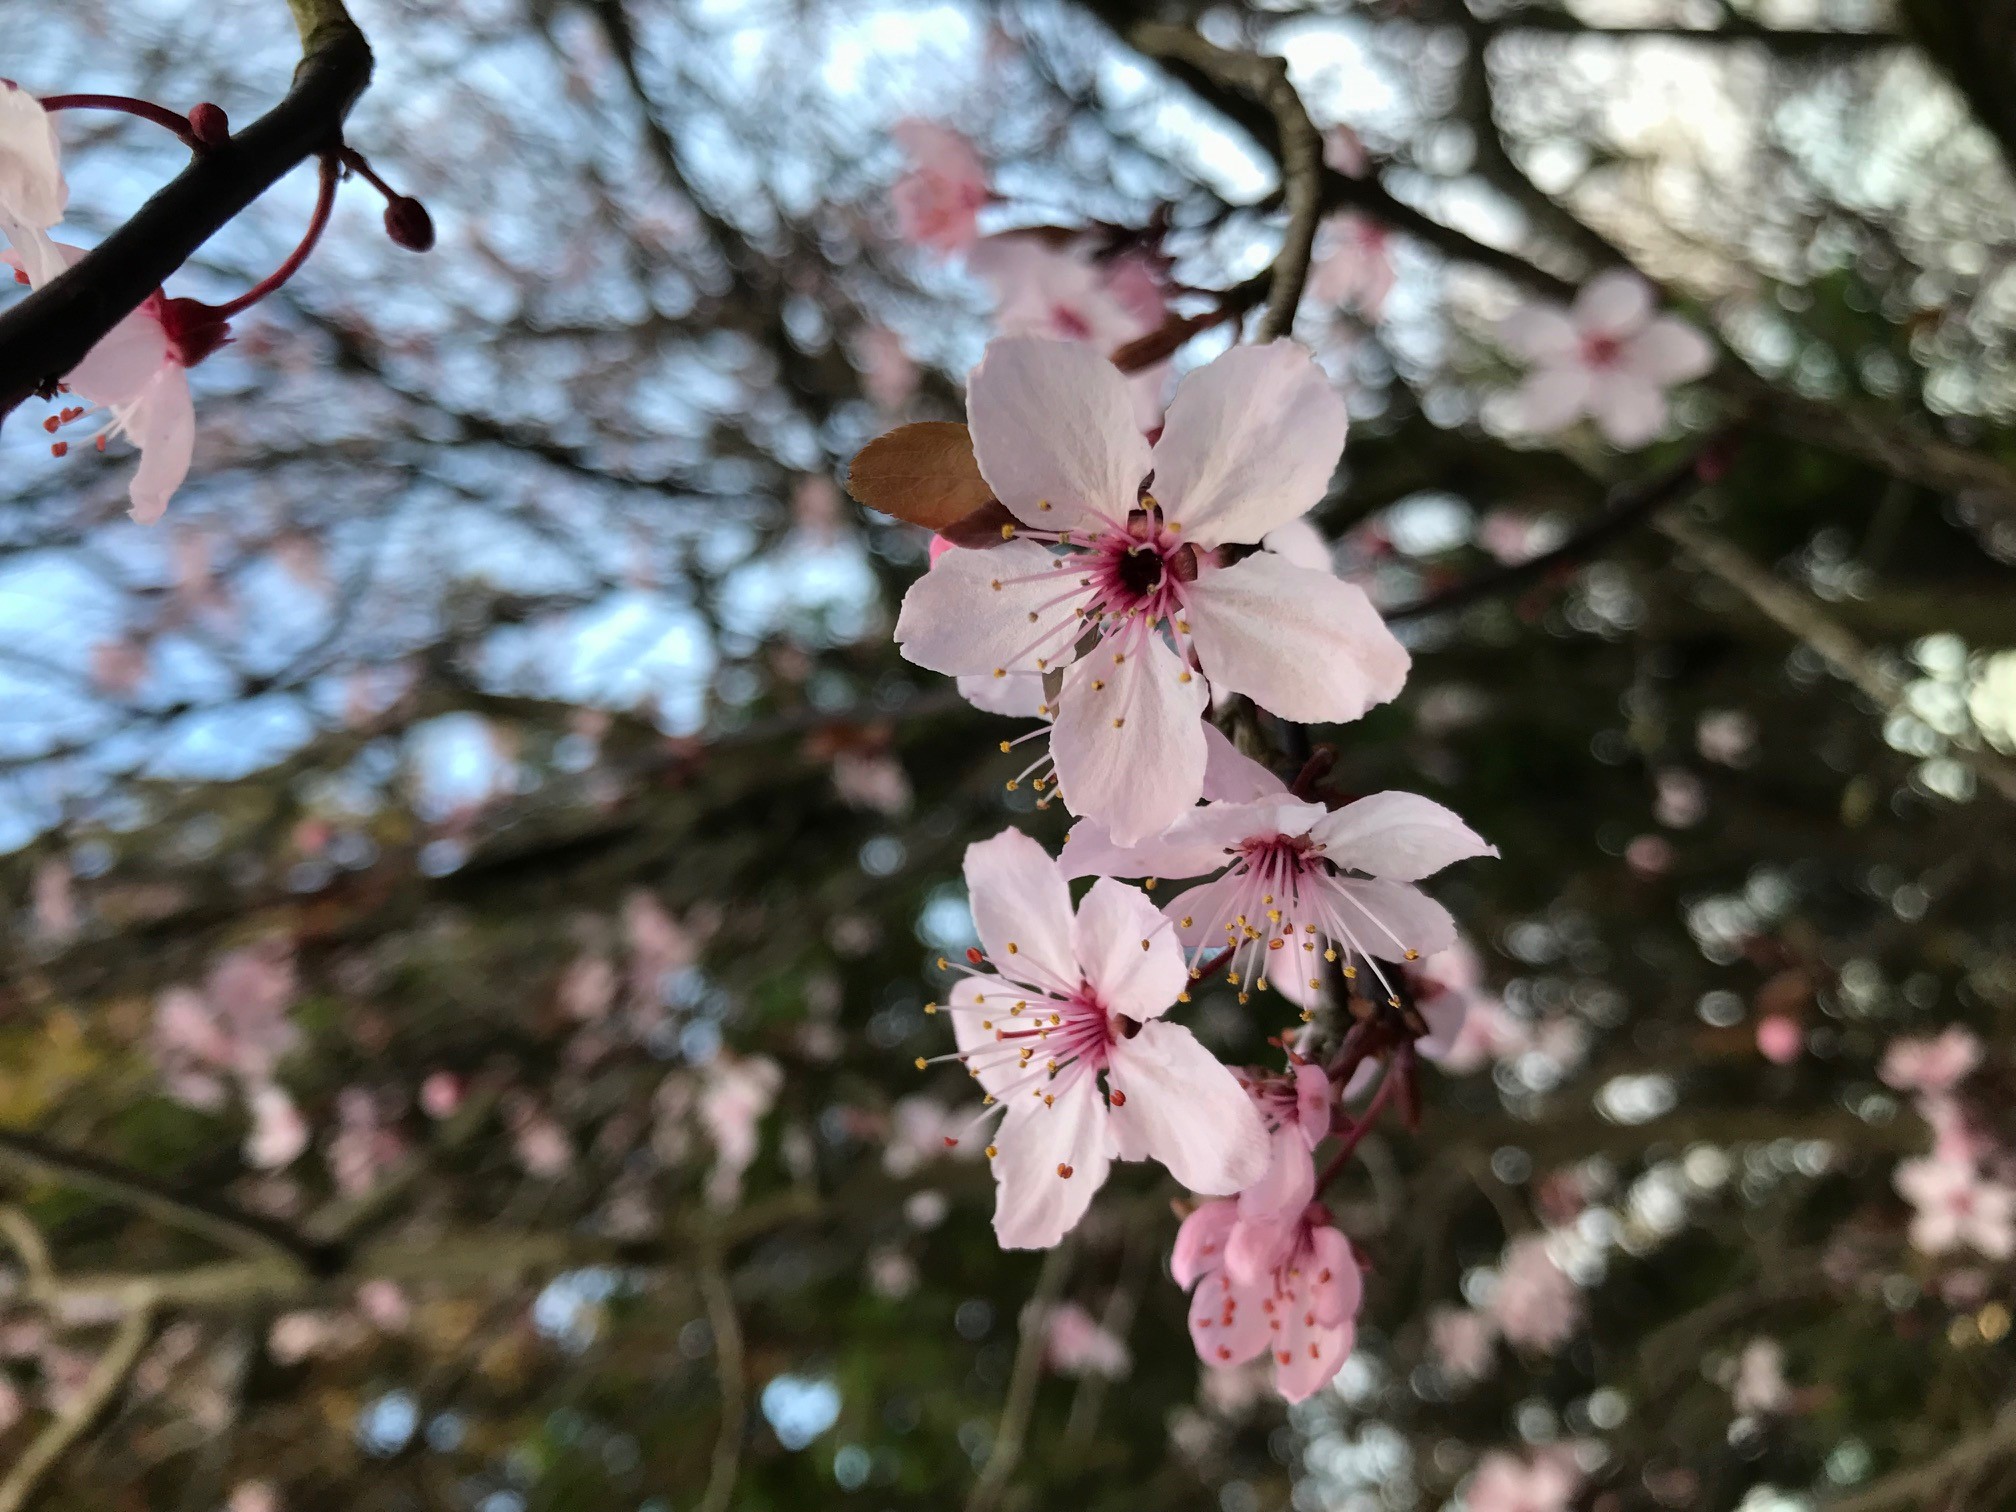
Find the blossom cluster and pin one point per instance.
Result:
(1149, 573)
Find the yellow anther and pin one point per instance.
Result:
(1186, 921)
(1007, 532)
(992, 1151)
(922, 1063)
(1413, 955)
(1144, 944)
(1149, 883)
(1006, 747)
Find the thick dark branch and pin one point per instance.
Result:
(48, 333)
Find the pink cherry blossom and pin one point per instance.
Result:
(235, 1027)
(1505, 1483)
(1250, 444)
(1759, 1386)
(1353, 265)
(1467, 1024)
(938, 200)
(138, 376)
(1297, 1301)
(1957, 1208)
(441, 1094)
(1065, 291)
(888, 372)
(1608, 357)
(1535, 1304)
(364, 1147)
(1299, 883)
(1295, 1110)
(279, 1132)
(736, 1093)
(1931, 1065)
(921, 1129)
(33, 193)
(1075, 1344)
(1461, 1342)
(1779, 1039)
(1072, 1000)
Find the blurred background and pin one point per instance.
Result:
(470, 876)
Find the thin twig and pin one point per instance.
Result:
(1298, 149)
(729, 1366)
(1798, 615)
(1023, 1377)
(29, 1244)
(70, 1425)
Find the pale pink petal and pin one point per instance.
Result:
(1186, 1110)
(955, 619)
(1228, 1322)
(975, 1034)
(1263, 1243)
(1231, 776)
(1670, 351)
(1629, 410)
(1312, 1102)
(1287, 1184)
(1179, 851)
(165, 431)
(1540, 333)
(32, 189)
(279, 1132)
(1308, 1358)
(1399, 835)
(1128, 741)
(1553, 398)
(1200, 1241)
(1036, 1202)
(1127, 951)
(1388, 919)
(1022, 910)
(1018, 695)
(1615, 304)
(1336, 1286)
(1250, 443)
(1303, 645)
(1053, 425)
(1302, 544)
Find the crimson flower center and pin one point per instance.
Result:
(1601, 351)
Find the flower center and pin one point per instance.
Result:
(1141, 569)
(1069, 324)
(1601, 351)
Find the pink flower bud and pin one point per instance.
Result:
(408, 223)
(1779, 1039)
(211, 126)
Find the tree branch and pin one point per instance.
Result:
(48, 333)
(104, 1382)
(734, 1377)
(1023, 1378)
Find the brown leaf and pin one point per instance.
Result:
(923, 473)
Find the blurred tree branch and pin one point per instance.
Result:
(77, 1417)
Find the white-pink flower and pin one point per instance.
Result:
(1957, 1207)
(1461, 1342)
(1076, 1344)
(1353, 265)
(1931, 1065)
(1074, 1001)
(938, 200)
(735, 1094)
(1535, 1304)
(1609, 357)
(1123, 588)
(1296, 1300)
(279, 1133)
(1299, 884)
(1505, 1483)
(33, 193)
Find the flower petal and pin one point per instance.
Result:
(1250, 443)
(1228, 1322)
(1186, 1110)
(1230, 775)
(1540, 333)
(32, 189)
(1399, 835)
(1035, 1203)
(1022, 910)
(1053, 423)
(1287, 1184)
(1616, 304)
(1089, 851)
(1670, 351)
(164, 428)
(1129, 740)
(1336, 1285)
(1388, 919)
(1303, 645)
(1628, 409)
(993, 1069)
(956, 620)
(1200, 1241)
(1127, 951)
(1312, 1102)
(1552, 398)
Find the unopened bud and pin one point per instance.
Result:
(211, 126)
(408, 223)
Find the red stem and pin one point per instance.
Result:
(1358, 1131)
(325, 201)
(147, 110)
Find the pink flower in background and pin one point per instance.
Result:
(253, 1496)
(1608, 357)
(1505, 1483)
(441, 1094)
(1299, 883)
(1077, 999)
(384, 1305)
(542, 1146)
(53, 900)
(1353, 265)
(938, 201)
(1931, 1065)
(1461, 1342)
(1760, 1386)
(1250, 444)
(279, 1133)
(1779, 1039)
(588, 988)
(921, 1129)
(235, 1027)
(660, 948)
(1297, 1300)
(1957, 1208)
(888, 372)
(736, 1093)
(363, 1148)
(33, 193)
(1467, 1024)
(1061, 289)
(1535, 1303)
(874, 781)
(1075, 1344)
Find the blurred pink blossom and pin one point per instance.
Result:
(1956, 1207)
(1535, 1304)
(1076, 1344)
(938, 200)
(887, 371)
(1779, 1039)
(279, 1133)
(1461, 1342)
(1505, 1483)
(735, 1093)
(1931, 1065)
